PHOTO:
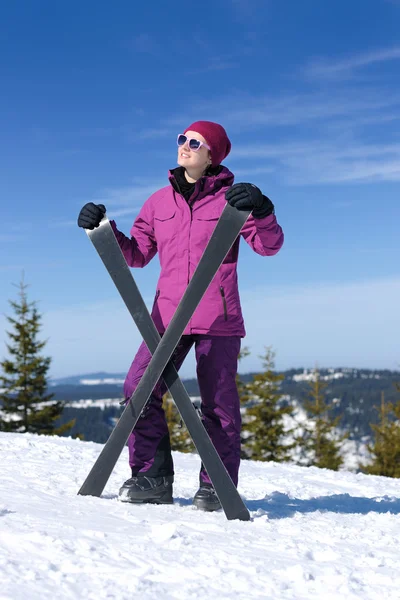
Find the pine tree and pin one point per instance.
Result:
(264, 432)
(25, 406)
(385, 448)
(321, 442)
(179, 435)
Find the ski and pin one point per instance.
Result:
(103, 238)
(107, 247)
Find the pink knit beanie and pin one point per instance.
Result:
(216, 137)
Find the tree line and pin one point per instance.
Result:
(270, 429)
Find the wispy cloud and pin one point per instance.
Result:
(328, 69)
(253, 171)
(214, 64)
(124, 212)
(128, 196)
(126, 201)
(338, 122)
(243, 112)
(123, 201)
(337, 135)
(314, 162)
(155, 133)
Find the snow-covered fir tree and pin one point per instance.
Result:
(25, 404)
(264, 432)
(321, 440)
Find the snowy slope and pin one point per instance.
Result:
(314, 533)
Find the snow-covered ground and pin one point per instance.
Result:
(106, 402)
(314, 533)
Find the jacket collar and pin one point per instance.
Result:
(213, 180)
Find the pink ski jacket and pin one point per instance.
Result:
(179, 231)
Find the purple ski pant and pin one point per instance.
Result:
(216, 359)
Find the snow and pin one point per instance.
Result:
(314, 533)
(311, 375)
(108, 402)
(103, 381)
(89, 403)
(353, 452)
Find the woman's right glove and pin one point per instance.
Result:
(91, 215)
(246, 196)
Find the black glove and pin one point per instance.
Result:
(91, 215)
(246, 196)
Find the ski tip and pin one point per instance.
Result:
(243, 515)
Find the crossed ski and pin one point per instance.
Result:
(104, 240)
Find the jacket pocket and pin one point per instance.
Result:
(222, 292)
(165, 215)
(210, 211)
(165, 224)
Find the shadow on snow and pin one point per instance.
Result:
(281, 506)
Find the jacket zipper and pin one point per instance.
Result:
(200, 189)
(222, 292)
(190, 205)
(189, 241)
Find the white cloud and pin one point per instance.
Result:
(323, 68)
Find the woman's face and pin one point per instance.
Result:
(194, 159)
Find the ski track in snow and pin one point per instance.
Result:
(314, 533)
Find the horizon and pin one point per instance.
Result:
(309, 94)
(240, 372)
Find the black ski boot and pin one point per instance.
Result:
(151, 490)
(206, 499)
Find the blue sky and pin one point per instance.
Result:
(92, 95)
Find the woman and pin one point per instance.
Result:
(177, 221)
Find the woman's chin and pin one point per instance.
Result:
(183, 162)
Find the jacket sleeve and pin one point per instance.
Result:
(141, 247)
(264, 236)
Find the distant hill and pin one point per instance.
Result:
(105, 385)
(355, 394)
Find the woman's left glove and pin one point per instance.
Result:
(246, 196)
